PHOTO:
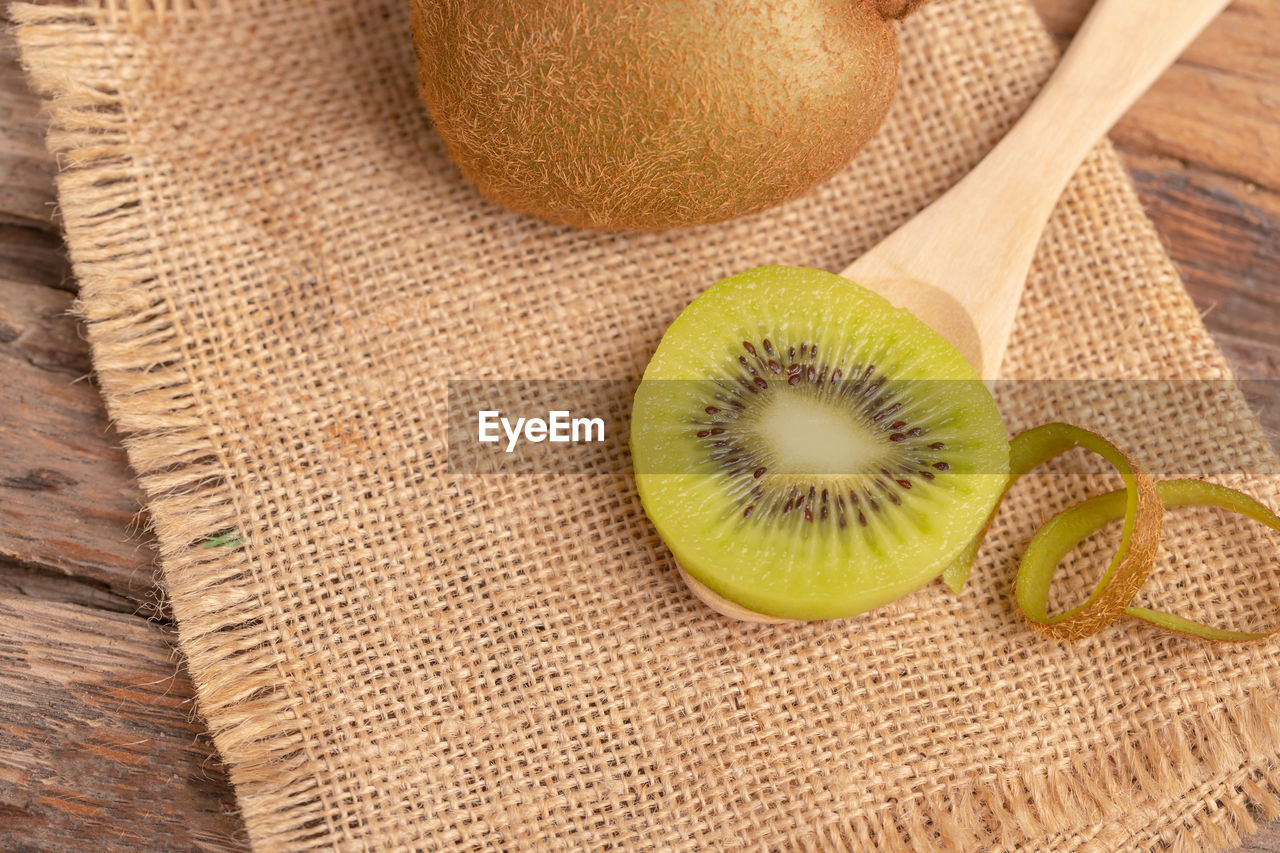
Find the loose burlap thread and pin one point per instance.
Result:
(279, 272)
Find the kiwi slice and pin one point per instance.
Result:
(808, 451)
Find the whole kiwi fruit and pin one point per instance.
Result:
(653, 114)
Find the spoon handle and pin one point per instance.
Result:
(961, 264)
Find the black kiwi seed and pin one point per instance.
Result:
(867, 396)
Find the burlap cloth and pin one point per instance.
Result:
(280, 270)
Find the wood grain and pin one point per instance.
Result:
(70, 505)
(1227, 234)
(98, 746)
(26, 169)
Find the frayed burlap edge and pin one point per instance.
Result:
(153, 403)
(156, 406)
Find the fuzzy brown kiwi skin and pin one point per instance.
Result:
(898, 9)
(653, 114)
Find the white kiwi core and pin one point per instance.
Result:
(802, 433)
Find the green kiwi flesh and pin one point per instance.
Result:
(615, 114)
(808, 451)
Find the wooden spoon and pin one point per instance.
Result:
(960, 265)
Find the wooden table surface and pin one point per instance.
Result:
(100, 745)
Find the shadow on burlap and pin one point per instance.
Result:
(281, 270)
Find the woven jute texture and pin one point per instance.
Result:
(280, 271)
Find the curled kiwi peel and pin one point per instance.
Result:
(773, 359)
(1073, 525)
